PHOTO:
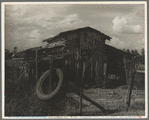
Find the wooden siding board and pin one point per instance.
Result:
(81, 40)
(98, 46)
(86, 40)
(89, 39)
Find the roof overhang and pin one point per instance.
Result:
(51, 39)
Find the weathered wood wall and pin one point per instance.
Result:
(84, 40)
(92, 41)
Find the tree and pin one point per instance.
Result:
(137, 56)
(6, 54)
(15, 50)
(128, 50)
(132, 52)
(136, 52)
(142, 56)
(142, 51)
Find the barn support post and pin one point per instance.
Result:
(104, 74)
(91, 67)
(81, 92)
(51, 67)
(73, 65)
(63, 61)
(36, 66)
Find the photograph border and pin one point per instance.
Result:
(77, 2)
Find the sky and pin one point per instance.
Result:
(27, 25)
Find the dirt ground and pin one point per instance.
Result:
(114, 100)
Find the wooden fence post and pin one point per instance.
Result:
(130, 86)
(130, 67)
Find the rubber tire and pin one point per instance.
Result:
(39, 92)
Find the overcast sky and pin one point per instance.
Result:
(27, 25)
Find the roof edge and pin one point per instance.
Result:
(61, 33)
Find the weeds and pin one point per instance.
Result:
(20, 96)
(21, 99)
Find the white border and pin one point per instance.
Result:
(146, 64)
(2, 57)
(69, 117)
(87, 2)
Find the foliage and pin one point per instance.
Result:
(8, 54)
(15, 50)
(20, 96)
(139, 58)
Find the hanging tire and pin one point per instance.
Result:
(55, 85)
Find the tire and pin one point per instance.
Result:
(39, 91)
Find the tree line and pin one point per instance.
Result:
(139, 57)
(9, 54)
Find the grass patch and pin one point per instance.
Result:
(21, 99)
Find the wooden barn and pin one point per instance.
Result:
(87, 48)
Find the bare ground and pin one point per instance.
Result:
(114, 100)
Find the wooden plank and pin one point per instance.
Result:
(82, 81)
(91, 67)
(63, 61)
(88, 99)
(81, 40)
(73, 65)
(17, 59)
(36, 66)
(50, 76)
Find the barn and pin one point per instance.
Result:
(88, 48)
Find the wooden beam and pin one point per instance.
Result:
(63, 62)
(50, 76)
(88, 99)
(36, 66)
(81, 92)
(92, 67)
